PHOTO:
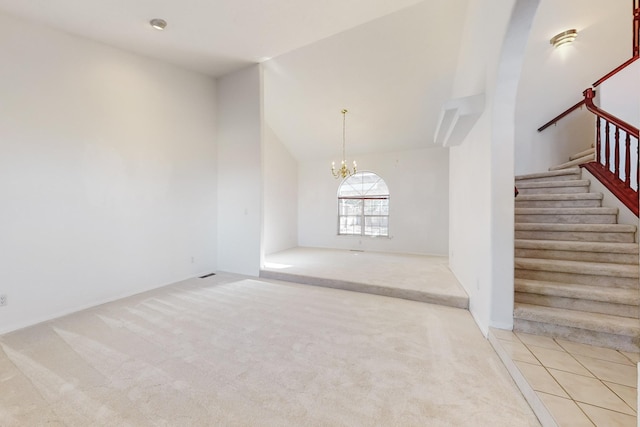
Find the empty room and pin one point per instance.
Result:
(249, 213)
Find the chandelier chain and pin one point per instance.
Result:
(344, 121)
(344, 171)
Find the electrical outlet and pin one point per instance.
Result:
(3, 300)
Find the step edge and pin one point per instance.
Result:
(622, 296)
(626, 326)
(552, 184)
(548, 174)
(578, 246)
(559, 197)
(567, 211)
(584, 268)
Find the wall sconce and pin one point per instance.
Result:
(564, 38)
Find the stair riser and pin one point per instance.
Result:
(612, 270)
(582, 203)
(577, 256)
(585, 336)
(581, 236)
(568, 177)
(582, 292)
(580, 279)
(553, 190)
(578, 304)
(573, 163)
(567, 219)
(590, 151)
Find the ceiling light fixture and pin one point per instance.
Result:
(158, 24)
(564, 37)
(344, 170)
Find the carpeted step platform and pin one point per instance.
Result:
(597, 215)
(622, 233)
(621, 333)
(553, 187)
(585, 273)
(608, 252)
(557, 175)
(594, 299)
(571, 200)
(578, 161)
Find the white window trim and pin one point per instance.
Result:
(363, 215)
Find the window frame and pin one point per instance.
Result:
(363, 216)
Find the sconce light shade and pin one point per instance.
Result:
(158, 24)
(564, 38)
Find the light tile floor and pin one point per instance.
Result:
(578, 384)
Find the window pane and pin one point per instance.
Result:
(363, 205)
(363, 184)
(376, 226)
(350, 207)
(376, 207)
(350, 225)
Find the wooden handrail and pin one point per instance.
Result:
(560, 116)
(588, 101)
(636, 28)
(616, 70)
(597, 83)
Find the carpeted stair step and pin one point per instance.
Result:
(585, 159)
(573, 200)
(569, 174)
(603, 330)
(597, 215)
(578, 272)
(555, 187)
(584, 153)
(610, 252)
(576, 232)
(594, 299)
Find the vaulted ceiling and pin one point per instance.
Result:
(390, 63)
(392, 74)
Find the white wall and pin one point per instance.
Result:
(619, 95)
(239, 138)
(554, 79)
(280, 170)
(481, 168)
(418, 186)
(107, 173)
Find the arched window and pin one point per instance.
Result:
(363, 205)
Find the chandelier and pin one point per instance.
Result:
(344, 171)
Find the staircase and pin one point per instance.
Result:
(576, 268)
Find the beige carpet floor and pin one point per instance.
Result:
(425, 278)
(226, 351)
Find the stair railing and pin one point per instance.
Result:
(597, 83)
(615, 70)
(560, 116)
(617, 151)
(636, 27)
(616, 165)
